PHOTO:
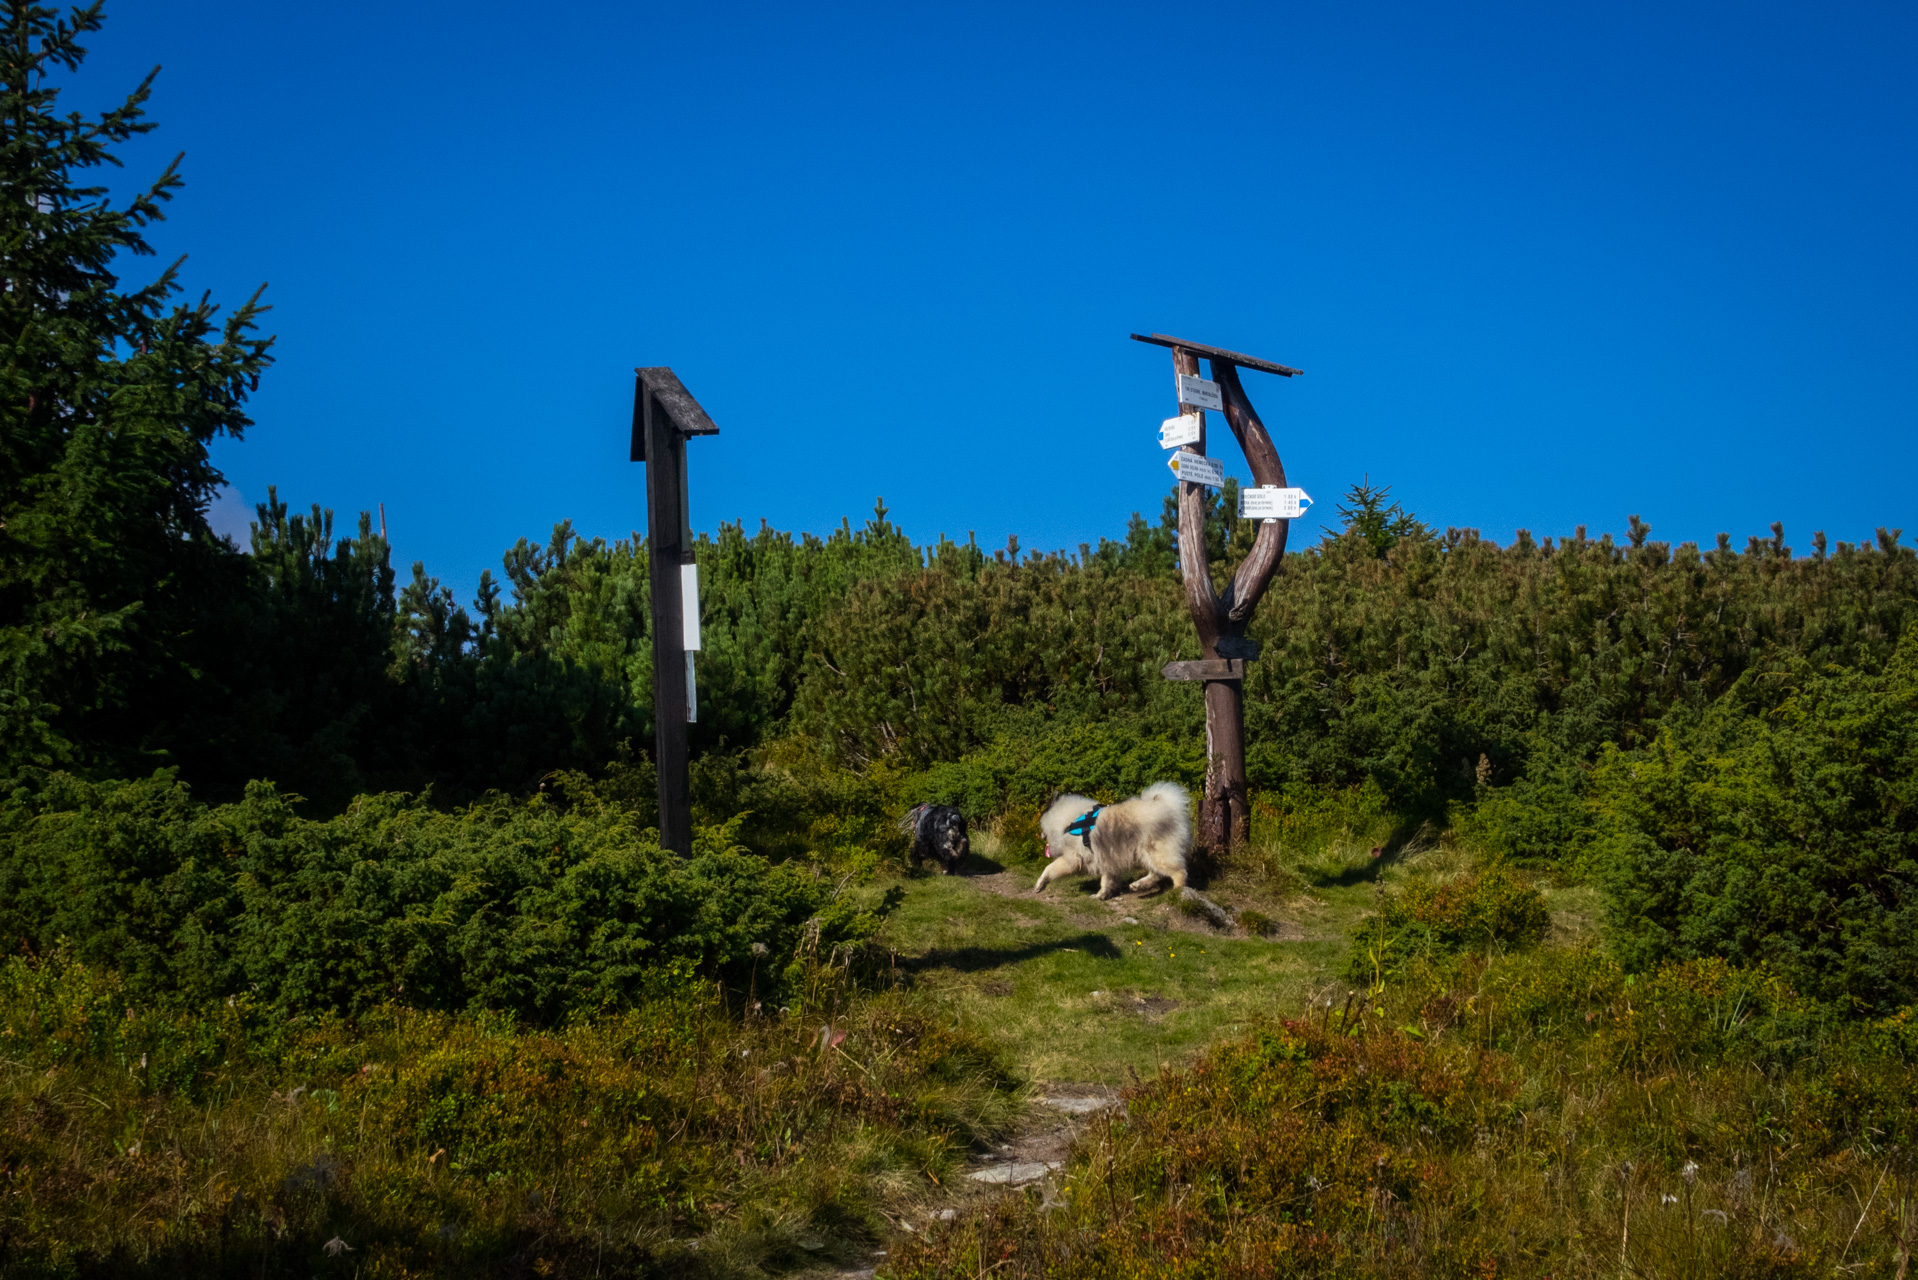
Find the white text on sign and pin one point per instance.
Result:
(1184, 429)
(1199, 393)
(1195, 469)
(1272, 503)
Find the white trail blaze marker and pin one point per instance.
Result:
(689, 607)
(1199, 393)
(1184, 429)
(689, 633)
(1195, 469)
(1270, 502)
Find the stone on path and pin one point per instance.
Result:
(1014, 1174)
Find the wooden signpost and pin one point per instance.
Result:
(664, 416)
(1225, 819)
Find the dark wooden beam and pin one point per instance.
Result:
(664, 415)
(1219, 353)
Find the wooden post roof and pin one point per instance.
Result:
(1219, 353)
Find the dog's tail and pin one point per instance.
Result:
(1172, 800)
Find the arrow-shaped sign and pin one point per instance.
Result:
(1184, 429)
(1195, 468)
(1269, 502)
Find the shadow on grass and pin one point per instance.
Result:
(974, 959)
(973, 864)
(304, 1254)
(1402, 840)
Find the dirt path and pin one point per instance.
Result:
(1033, 1156)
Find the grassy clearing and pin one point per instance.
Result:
(1073, 992)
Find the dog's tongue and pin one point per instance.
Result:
(1049, 852)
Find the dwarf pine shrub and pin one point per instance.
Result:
(1780, 827)
(543, 908)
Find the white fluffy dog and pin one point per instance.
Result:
(1153, 831)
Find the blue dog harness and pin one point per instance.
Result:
(1082, 826)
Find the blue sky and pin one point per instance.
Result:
(1543, 265)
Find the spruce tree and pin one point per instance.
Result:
(111, 399)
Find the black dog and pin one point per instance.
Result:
(938, 832)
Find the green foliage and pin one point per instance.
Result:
(924, 666)
(1543, 818)
(672, 1139)
(1303, 817)
(1273, 1154)
(790, 805)
(1788, 835)
(1380, 525)
(108, 402)
(1030, 761)
(1433, 918)
(546, 908)
(302, 685)
(1409, 669)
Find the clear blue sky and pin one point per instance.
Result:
(1543, 265)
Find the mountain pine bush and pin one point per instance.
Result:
(1779, 827)
(545, 908)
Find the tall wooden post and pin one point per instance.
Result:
(664, 415)
(1225, 815)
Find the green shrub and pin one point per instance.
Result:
(1431, 919)
(1020, 839)
(542, 908)
(924, 666)
(1543, 818)
(791, 805)
(1782, 831)
(1032, 760)
(1304, 818)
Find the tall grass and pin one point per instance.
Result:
(673, 1139)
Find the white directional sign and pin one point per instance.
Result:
(1199, 393)
(1193, 468)
(1184, 429)
(1269, 502)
